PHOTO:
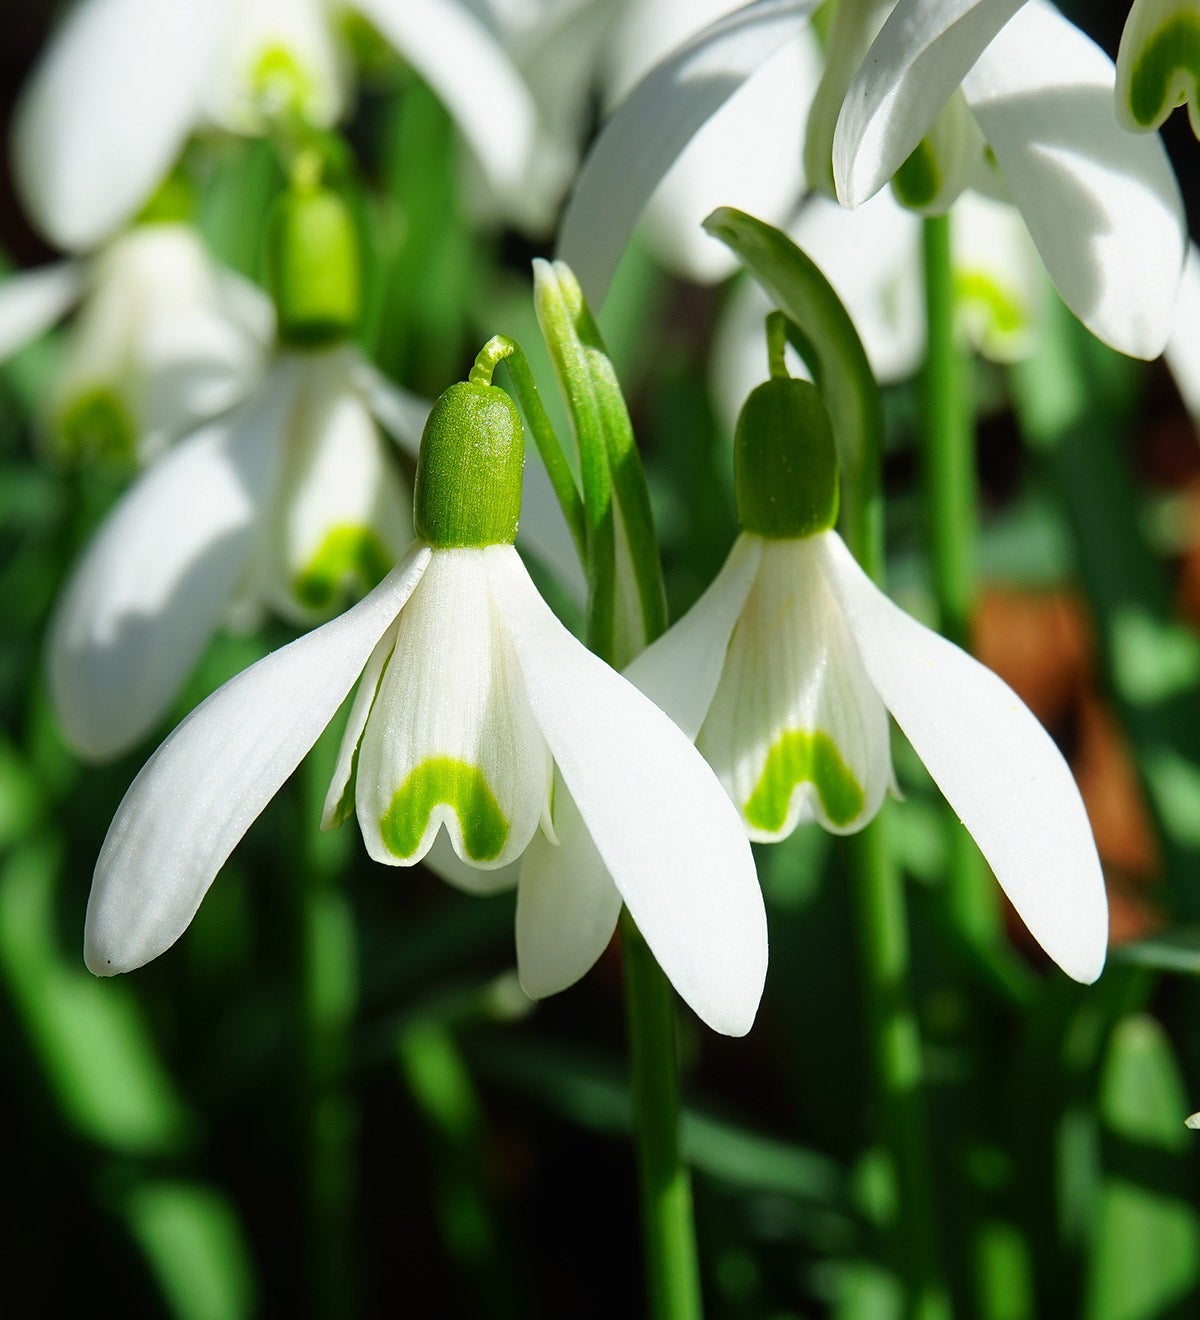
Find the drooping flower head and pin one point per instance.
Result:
(786, 668)
(472, 698)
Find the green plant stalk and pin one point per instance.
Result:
(668, 1227)
(951, 518)
(329, 1001)
(616, 506)
(823, 334)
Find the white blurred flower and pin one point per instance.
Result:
(125, 82)
(162, 338)
(289, 500)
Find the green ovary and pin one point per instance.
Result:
(96, 426)
(445, 780)
(800, 757)
(1172, 58)
(349, 556)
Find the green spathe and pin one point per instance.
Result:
(785, 463)
(800, 757)
(445, 781)
(468, 486)
(313, 267)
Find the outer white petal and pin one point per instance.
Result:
(918, 59)
(469, 70)
(1102, 205)
(567, 904)
(666, 832)
(680, 671)
(452, 689)
(652, 127)
(32, 301)
(147, 594)
(107, 111)
(1183, 348)
(198, 794)
(998, 768)
(402, 414)
(795, 731)
(746, 155)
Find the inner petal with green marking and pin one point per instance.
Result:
(350, 560)
(1166, 73)
(801, 757)
(96, 426)
(279, 83)
(445, 781)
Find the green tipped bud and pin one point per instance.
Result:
(468, 487)
(784, 461)
(313, 268)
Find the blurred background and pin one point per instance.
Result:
(331, 1097)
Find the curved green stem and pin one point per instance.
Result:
(948, 453)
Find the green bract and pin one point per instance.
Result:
(785, 462)
(1158, 65)
(313, 268)
(468, 487)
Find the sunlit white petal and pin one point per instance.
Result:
(107, 111)
(920, 56)
(680, 671)
(666, 832)
(998, 768)
(651, 128)
(31, 301)
(567, 905)
(452, 741)
(147, 594)
(1183, 348)
(1102, 205)
(475, 79)
(199, 793)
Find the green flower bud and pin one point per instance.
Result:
(468, 487)
(784, 461)
(313, 268)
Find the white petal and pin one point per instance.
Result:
(107, 111)
(341, 515)
(998, 768)
(1102, 205)
(680, 671)
(198, 794)
(746, 155)
(543, 530)
(31, 301)
(920, 56)
(567, 904)
(652, 127)
(473, 76)
(664, 828)
(146, 596)
(795, 731)
(1183, 348)
(401, 414)
(451, 740)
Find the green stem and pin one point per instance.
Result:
(329, 990)
(948, 452)
(668, 1230)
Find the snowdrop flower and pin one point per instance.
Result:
(1158, 64)
(1106, 219)
(472, 697)
(785, 670)
(162, 339)
(125, 82)
(1102, 208)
